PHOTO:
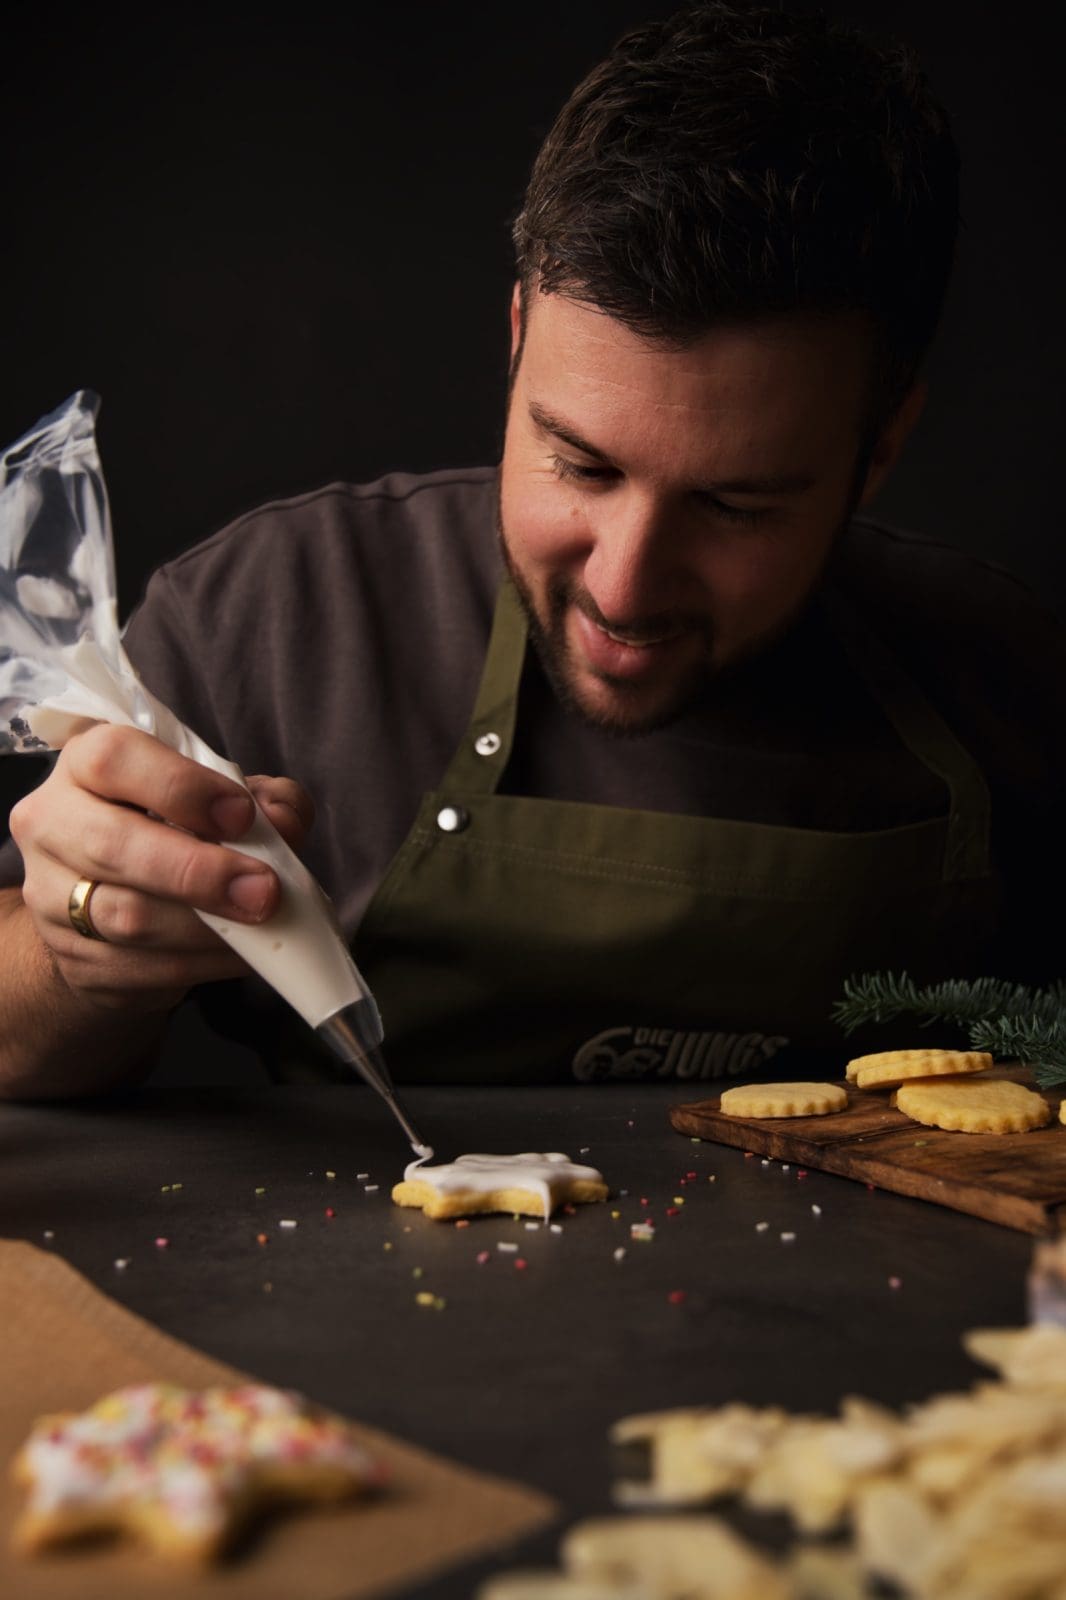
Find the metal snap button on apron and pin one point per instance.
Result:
(487, 744)
(452, 819)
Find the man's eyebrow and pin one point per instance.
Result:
(548, 423)
(770, 483)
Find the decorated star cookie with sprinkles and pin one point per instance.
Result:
(532, 1185)
(181, 1470)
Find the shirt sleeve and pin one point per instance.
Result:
(174, 659)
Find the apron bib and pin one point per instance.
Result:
(530, 940)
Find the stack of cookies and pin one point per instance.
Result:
(953, 1089)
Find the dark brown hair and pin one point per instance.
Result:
(737, 161)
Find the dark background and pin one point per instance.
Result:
(276, 241)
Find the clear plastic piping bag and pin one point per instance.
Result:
(62, 666)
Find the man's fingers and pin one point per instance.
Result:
(123, 917)
(288, 806)
(112, 845)
(124, 810)
(126, 971)
(135, 769)
(144, 825)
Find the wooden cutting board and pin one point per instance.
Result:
(1017, 1179)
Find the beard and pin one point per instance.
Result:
(633, 711)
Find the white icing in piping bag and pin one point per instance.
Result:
(64, 667)
(300, 951)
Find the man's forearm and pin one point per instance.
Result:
(54, 1043)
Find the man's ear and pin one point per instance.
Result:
(516, 320)
(892, 439)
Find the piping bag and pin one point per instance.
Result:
(63, 667)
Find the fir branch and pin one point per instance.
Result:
(1041, 1046)
(1010, 1020)
(878, 997)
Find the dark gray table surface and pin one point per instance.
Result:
(524, 1369)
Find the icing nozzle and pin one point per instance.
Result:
(354, 1035)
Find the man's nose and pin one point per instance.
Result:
(632, 570)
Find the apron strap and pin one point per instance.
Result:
(925, 734)
(482, 756)
(485, 749)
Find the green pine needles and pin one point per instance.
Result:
(1010, 1020)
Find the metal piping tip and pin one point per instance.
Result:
(367, 1059)
(370, 1064)
(421, 1149)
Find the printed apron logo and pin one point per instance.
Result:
(672, 1053)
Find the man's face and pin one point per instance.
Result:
(666, 512)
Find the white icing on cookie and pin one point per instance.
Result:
(190, 1454)
(546, 1175)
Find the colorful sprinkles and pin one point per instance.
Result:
(195, 1457)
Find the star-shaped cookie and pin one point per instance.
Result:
(181, 1469)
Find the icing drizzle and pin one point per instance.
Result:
(547, 1175)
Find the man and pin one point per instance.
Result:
(759, 744)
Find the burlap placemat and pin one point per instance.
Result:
(63, 1344)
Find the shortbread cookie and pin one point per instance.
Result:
(650, 1558)
(891, 1073)
(884, 1057)
(181, 1469)
(991, 1105)
(783, 1099)
(691, 1456)
(1026, 1358)
(527, 1583)
(532, 1185)
(673, 1556)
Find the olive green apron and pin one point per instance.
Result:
(529, 940)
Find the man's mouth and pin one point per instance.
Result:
(614, 653)
(643, 643)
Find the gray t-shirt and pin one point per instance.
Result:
(338, 638)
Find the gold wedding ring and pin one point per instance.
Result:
(78, 909)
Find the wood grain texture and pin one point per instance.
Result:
(1017, 1179)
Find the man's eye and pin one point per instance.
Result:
(737, 513)
(575, 472)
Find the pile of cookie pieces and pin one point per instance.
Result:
(961, 1498)
(951, 1089)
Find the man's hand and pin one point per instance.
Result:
(103, 814)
